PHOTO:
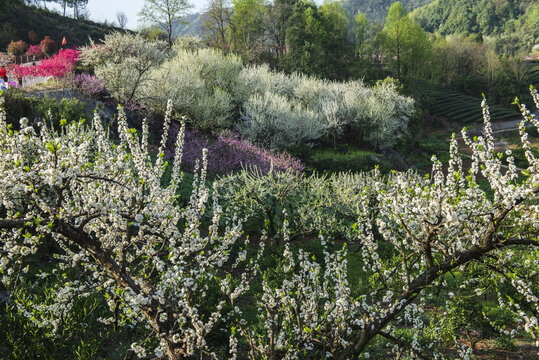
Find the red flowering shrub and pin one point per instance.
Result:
(57, 66)
(17, 48)
(69, 55)
(34, 50)
(48, 46)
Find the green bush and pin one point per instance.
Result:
(328, 205)
(54, 112)
(464, 318)
(17, 106)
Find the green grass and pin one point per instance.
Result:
(420, 154)
(329, 160)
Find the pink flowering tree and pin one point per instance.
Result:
(57, 66)
(35, 51)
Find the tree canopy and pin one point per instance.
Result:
(165, 14)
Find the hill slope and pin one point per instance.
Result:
(191, 27)
(18, 20)
(376, 10)
(488, 17)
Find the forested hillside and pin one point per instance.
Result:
(376, 10)
(517, 22)
(29, 23)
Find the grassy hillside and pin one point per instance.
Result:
(18, 20)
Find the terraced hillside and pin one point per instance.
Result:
(455, 106)
(534, 72)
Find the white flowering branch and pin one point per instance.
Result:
(104, 205)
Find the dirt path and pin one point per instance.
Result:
(497, 127)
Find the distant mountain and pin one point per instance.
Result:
(376, 10)
(191, 27)
(17, 20)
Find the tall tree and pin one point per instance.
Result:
(165, 13)
(404, 41)
(337, 46)
(279, 14)
(121, 18)
(361, 28)
(216, 24)
(318, 41)
(305, 36)
(248, 26)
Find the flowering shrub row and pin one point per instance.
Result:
(269, 108)
(228, 153)
(57, 66)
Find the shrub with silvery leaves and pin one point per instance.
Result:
(201, 83)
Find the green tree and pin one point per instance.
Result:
(337, 47)
(279, 14)
(318, 41)
(248, 26)
(165, 14)
(405, 43)
(361, 29)
(304, 39)
(216, 24)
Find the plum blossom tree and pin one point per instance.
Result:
(106, 207)
(123, 63)
(435, 225)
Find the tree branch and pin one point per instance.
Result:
(403, 344)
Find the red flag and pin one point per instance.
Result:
(64, 41)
